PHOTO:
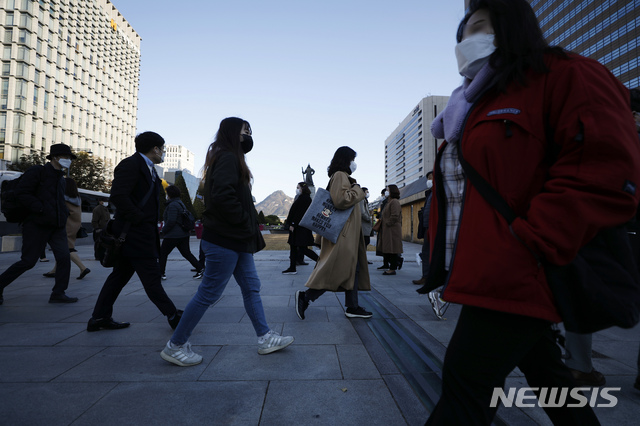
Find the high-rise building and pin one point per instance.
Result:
(605, 30)
(177, 157)
(410, 150)
(70, 74)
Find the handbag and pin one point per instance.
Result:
(82, 233)
(377, 226)
(113, 244)
(323, 218)
(599, 288)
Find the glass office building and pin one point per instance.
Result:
(70, 74)
(605, 30)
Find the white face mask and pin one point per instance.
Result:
(473, 52)
(366, 194)
(298, 191)
(106, 204)
(65, 162)
(386, 193)
(353, 166)
(429, 184)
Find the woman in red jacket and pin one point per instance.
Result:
(520, 98)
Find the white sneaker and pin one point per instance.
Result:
(438, 305)
(164, 276)
(180, 355)
(272, 342)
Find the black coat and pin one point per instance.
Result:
(230, 219)
(301, 237)
(41, 190)
(131, 181)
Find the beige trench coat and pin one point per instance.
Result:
(391, 228)
(336, 267)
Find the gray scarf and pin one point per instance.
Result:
(448, 124)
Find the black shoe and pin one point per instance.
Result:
(198, 275)
(83, 273)
(593, 379)
(49, 275)
(105, 324)
(173, 321)
(63, 299)
(302, 263)
(369, 262)
(389, 272)
(400, 262)
(384, 267)
(301, 303)
(358, 312)
(289, 272)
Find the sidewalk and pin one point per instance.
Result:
(382, 371)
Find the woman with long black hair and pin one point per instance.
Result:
(229, 240)
(341, 266)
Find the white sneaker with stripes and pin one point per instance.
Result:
(272, 342)
(180, 355)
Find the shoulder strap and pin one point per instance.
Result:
(485, 189)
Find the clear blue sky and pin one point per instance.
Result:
(309, 76)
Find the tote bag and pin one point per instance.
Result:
(323, 218)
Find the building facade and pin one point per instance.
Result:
(70, 74)
(605, 30)
(410, 150)
(177, 157)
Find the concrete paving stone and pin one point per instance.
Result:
(48, 313)
(52, 404)
(623, 351)
(136, 364)
(441, 330)
(138, 334)
(377, 352)
(336, 314)
(344, 402)
(326, 333)
(233, 301)
(37, 334)
(413, 410)
(617, 333)
(214, 314)
(295, 362)
(356, 363)
(40, 364)
(211, 403)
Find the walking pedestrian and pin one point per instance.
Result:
(41, 191)
(341, 266)
(300, 238)
(230, 238)
(99, 218)
(135, 192)
(74, 222)
(519, 100)
(174, 234)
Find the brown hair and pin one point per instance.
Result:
(394, 192)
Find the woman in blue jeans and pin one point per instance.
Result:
(229, 240)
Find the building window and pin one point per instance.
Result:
(6, 53)
(8, 35)
(8, 20)
(23, 36)
(6, 68)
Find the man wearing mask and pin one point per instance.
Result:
(135, 194)
(41, 191)
(99, 220)
(366, 218)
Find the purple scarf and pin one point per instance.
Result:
(448, 124)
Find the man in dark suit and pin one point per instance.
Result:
(41, 192)
(134, 193)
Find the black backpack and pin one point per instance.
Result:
(11, 208)
(186, 220)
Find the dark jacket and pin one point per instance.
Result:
(230, 219)
(100, 217)
(561, 205)
(301, 237)
(41, 190)
(172, 216)
(131, 181)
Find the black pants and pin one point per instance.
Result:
(148, 270)
(168, 244)
(350, 296)
(426, 248)
(391, 259)
(98, 250)
(485, 347)
(296, 254)
(34, 241)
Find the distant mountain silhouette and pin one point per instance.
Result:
(277, 203)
